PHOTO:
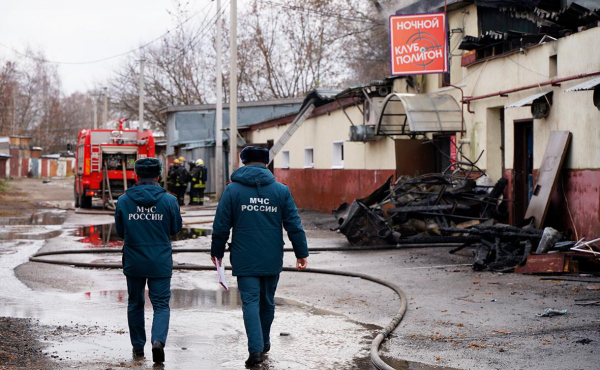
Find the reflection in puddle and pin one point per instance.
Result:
(180, 298)
(32, 227)
(105, 236)
(39, 218)
(27, 232)
(99, 236)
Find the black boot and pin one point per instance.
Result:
(266, 348)
(158, 352)
(254, 359)
(138, 354)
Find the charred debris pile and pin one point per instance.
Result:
(459, 206)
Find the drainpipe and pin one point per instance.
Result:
(553, 82)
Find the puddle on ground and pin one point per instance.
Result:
(38, 218)
(29, 233)
(105, 236)
(32, 227)
(408, 365)
(180, 298)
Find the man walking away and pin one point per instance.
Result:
(181, 181)
(146, 216)
(198, 184)
(256, 207)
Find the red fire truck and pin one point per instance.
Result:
(104, 162)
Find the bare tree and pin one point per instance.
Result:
(285, 50)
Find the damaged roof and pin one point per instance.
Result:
(517, 23)
(514, 24)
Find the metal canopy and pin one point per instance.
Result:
(424, 113)
(528, 100)
(587, 85)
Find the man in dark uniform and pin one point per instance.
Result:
(256, 207)
(198, 183)
(172, 176)
(146, 216)
(182, 179)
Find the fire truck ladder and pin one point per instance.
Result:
(300, 117)
(95, 158)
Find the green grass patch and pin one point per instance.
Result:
(4, 185)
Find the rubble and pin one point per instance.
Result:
(459, 205)
(414, 209)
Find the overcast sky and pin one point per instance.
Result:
(84, 30)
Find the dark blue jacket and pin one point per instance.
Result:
(256, 207)
(146, 217)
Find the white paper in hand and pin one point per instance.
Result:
(221, 273)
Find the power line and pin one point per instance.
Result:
(202, 32)
(113, 56)
(530, 70)
(325, 14)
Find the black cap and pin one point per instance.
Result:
(254, 154)
(148, 168)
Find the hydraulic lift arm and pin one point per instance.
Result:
(300, 117)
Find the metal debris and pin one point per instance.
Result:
(422, 206)
(549, 312)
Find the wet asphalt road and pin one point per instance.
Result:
(456, 318)
(88, 308)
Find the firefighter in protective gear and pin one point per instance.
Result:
(171, 176)
(182, 178)
(198, 184)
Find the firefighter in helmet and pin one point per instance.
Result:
(199, 176)
(171, 176)
(181, 181)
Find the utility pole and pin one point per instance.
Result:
(95, 107)
(219, 119)
(105, 113)
(141, 107)
(14, 109)
(233, 157)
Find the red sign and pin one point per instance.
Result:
(418, 44)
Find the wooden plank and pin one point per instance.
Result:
(556, 150)
(554, 263)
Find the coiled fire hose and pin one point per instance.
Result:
(381, 335)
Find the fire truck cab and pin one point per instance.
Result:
(104, 163)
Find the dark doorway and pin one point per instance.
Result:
(414, 157)
(523, 168)
(445, 153)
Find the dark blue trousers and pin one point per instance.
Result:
(159, 291)
(258, 306)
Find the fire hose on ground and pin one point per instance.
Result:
(377, 341)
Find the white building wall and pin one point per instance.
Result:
(320, 133)
(572, 111)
